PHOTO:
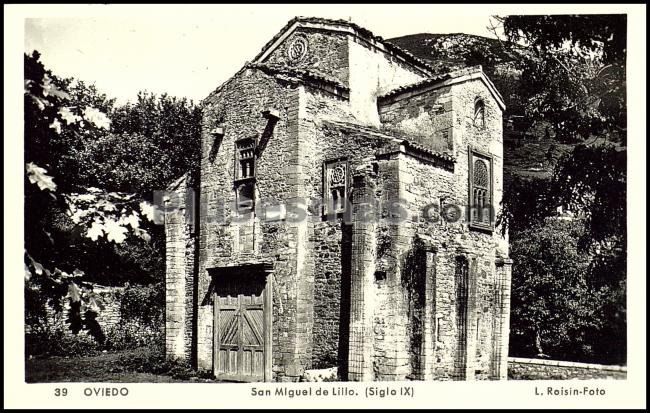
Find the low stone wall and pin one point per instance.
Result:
(120, 329)
(107, 318)
(537, 369)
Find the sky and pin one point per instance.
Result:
(189, 51)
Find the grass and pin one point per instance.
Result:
(106, 367)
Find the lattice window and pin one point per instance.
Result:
(245, 158)
(480, 190)
(335, 186)
(245, 174)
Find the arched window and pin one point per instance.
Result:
(480, 190)
(479, 113)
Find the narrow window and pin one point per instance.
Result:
(479, 113)
(335, 186)
(245, 197)
(245, 174)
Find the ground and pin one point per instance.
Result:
(106, 367)
(109, 367)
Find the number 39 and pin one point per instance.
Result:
(60, 392)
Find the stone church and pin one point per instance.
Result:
(338, 221)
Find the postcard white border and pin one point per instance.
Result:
(628, 393)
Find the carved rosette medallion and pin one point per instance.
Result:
(297, 49)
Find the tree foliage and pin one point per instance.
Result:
(91, 167)
(152, 142)
(559, 309)
(573, 75)
(569, 277)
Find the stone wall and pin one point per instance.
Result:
(426, 118)
(373, 73)
(328, 138)
(327, 53)
(227, 239)
(536, 369)
(108, 317)
(404, 343)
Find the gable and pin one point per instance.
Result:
(443, 80)
(313, 49)
(346, 29)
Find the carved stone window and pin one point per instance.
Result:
(245, 158)
(245, 174)
(335, 186)
(481, 207)
(479, 113)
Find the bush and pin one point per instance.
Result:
(141, 324)
(144, 304)
(58, 342)
(130, 335)
(141, 318)
(152, 360)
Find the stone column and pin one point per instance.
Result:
(179, 249)
(472, 320)
(430, 308)
(360, 367)
(501, 333)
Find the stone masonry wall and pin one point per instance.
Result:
(533, 369)
(225, 241)
(108, 318)
(421, 185)
(328, 138)
(327, 53)
(426, 118)
(372, 74)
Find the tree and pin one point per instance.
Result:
(91, 169)
(558, 310)
(572, 78)
(574, 73)
(152, 142)
(68, 224)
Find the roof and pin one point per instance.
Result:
(178, 182)
(410, 146)
(287, 73)
(457, 76)
(427, 151)
(342, 26)
(298, 74)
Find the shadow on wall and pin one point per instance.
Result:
(346, 282)
(414, 283)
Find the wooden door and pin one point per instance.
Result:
(242, 348)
